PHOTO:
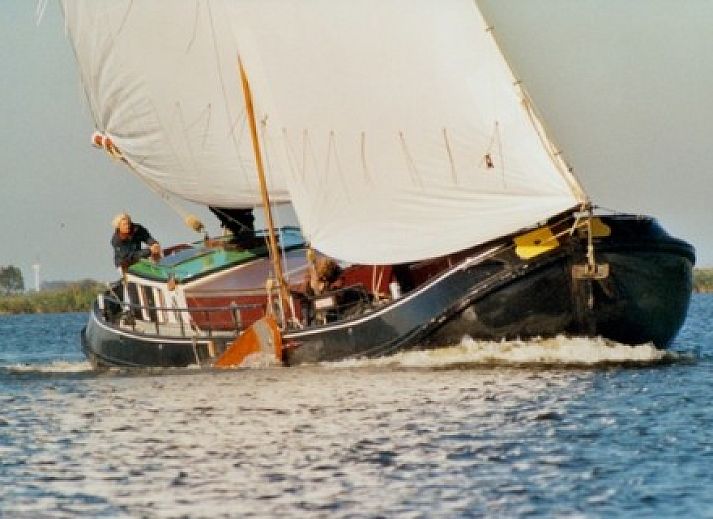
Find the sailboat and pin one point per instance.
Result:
(415, 162)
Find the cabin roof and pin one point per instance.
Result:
(191, 261)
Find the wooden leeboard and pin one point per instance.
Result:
(262, 337)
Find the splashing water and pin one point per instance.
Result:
(477, 429)
(58, 366)
(558, 351)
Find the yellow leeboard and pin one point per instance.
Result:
(600, 229)
(535, 242)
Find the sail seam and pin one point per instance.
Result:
(226, 104)
(410, 163)
(333, 150)
(454, 173)
(365, 167)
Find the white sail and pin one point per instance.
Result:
(403, 133)
(161, 82)
(395, 124)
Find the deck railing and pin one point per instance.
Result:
(115, 310)
(207, 320)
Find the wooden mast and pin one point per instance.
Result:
(274, 251)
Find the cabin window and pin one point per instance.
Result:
(176, 315)
(162, 314)
(150, 303)
(132, 296)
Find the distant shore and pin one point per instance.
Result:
(703, 280)
(69, 297)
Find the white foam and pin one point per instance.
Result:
(561, 350)
(259, 360)
(58, 366)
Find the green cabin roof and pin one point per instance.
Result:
(197, 259)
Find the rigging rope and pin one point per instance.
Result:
(40, 11)
(101, 140)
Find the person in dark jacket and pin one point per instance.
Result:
(127, 240)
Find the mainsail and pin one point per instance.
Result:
(395, 125)
(161, 81)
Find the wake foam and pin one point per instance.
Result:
(259, 360)
(58, 366)
(558, 351)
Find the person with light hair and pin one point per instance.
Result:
(127, 240)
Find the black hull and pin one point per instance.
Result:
(489, 295)
(644, 299)
(107, 345)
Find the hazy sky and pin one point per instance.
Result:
(626, 89)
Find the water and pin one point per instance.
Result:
(559, 428)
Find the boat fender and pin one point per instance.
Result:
(395, 289)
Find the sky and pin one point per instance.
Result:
(625, 89)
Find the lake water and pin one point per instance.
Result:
(558, 428)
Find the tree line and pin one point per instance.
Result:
(703, 280)
(53, 298)
(70, 297)
(11, 281)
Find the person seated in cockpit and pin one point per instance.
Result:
(323, 275)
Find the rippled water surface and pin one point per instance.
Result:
(559, 428)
